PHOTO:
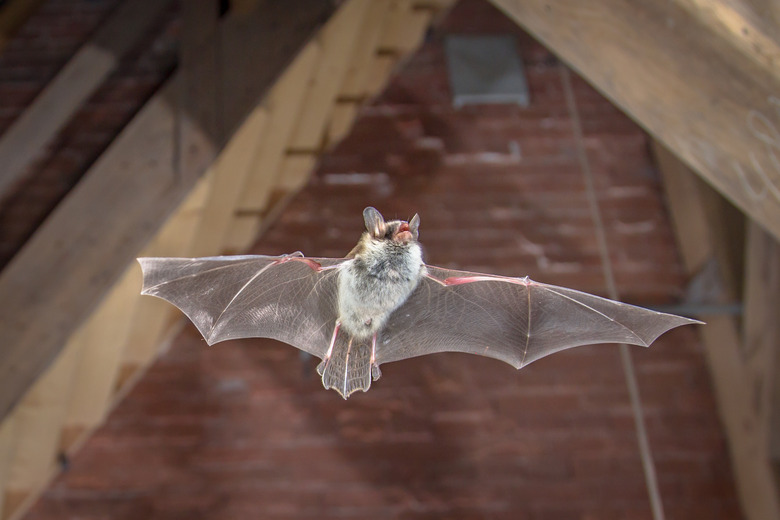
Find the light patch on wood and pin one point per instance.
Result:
(338, 40)
(38, 421)
(101, 340)
(283, 105)
(7, 449)
(227, 178)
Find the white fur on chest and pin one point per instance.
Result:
(376, 283)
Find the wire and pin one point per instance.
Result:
(651, 479)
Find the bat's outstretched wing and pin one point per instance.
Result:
(515, 320)
(289, 298)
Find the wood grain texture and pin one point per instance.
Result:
(708, 96)
(90, 239)
(742, 381)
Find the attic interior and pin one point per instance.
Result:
(645, 163)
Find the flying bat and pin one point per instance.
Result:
(382, 303)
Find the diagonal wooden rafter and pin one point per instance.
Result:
(111, 349)
(82, 249)
(698, 75)
(741, 358)
(105, 356)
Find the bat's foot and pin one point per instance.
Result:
(375, 372)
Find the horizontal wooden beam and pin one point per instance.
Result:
(697, 75)
(56, 280)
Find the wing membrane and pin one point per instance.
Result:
(516, 320)
(228, 297)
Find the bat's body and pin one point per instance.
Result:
(382, 304)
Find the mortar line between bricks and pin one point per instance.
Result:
(648, 465)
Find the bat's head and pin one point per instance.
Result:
(397, 232)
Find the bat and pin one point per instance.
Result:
(382, 303)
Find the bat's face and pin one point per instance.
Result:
(398, 232)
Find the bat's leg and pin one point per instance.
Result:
(375, 372)
(324, 363)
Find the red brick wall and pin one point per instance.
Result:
(245, 430)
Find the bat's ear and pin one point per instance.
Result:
(375, 223)
(414, 225)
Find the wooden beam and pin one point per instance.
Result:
(761, 334)
(199, 84)
(151, 316)
(405, 27)
(229, 175)
(38, 421)
(338, 41)
(7, 449)
(55, 281)
(354, 85)
(26, 139)
(708, 94)
(742, 382)
(683, 193)
(284, 105)
(101, 340)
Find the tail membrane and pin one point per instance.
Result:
(349, 367)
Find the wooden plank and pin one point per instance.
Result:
(26, 139)
(151, 316)
(754, 477)
(247, 226)
(683, 192)
(405, 28)
(38, 421)
(383, 67)
(7, 449)
(295, 171)
(354, 86)
(727, 225)
(749, 26)
(230, 172)
(711, 98)
(13, 14)
(200, 84)
(344, 114)
(90, 238)
(354, 90)
(338, 40)
(761, 333)
(284, 105)
(741, 385)
(101, 340)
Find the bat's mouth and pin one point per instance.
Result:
(402, 234)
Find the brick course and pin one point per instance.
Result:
(245, 430)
